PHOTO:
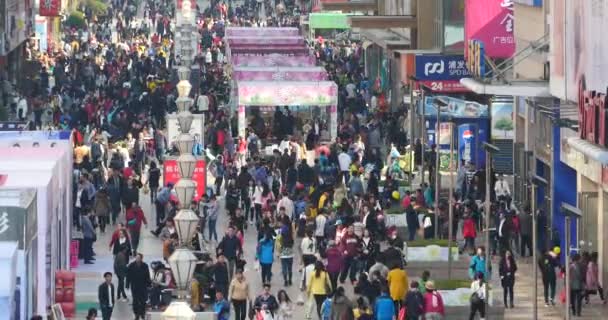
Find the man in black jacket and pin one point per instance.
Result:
(230, 247)
(106, 295)
(138, 278)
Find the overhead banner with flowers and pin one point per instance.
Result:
(491, 22)
(279, 74)
(279, 93)
(272, 60)
(260, 32)
(266, 41)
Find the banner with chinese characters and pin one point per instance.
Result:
(171, 174)
(491, 22)
(279, 74)
(297, 50)
(441, 73)
(50, 8)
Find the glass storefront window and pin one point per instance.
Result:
(453, 26)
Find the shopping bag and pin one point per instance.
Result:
(300, 299)
(402, 313)
(562, 296)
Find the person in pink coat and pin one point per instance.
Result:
(433, 303)
(592, 283)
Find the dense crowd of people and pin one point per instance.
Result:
(323, 219)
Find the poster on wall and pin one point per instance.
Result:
(17, 24)
(502, 121)
(50, 8)
(491, 22)
(41, 34)
(578, 56)
(171, 174)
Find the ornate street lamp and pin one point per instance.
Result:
(183, 73)
(185, 224)
(178, 310)
(183, 87)
(182, 263)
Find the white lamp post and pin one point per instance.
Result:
(178, 311)
(183, 88)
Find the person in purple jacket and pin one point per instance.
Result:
(335, 262)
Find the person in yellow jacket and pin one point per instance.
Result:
(397, 284)
(319, 286)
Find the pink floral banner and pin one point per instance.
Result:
(280, 93)
(252, 49)
(272, 60)
(279, 74)
(261, 32)
(266, 41)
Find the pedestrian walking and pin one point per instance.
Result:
(231, 248)
(121, 264)
(319, 285)
(413, 303)
(397, 282)
(106, 296)
(592, 284)
(341, 306)
(547, 265)
(286, 251)
(265, 256)
(213, 210)
(239, 294)
(89, 236)
(478, 297)
(434, 308)
(285, 311)
(102, 208)
(576, 285)
(506, 269)
(138, 279)
(135, 218)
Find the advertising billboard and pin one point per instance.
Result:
(171, 174)
(491, 22)
(441, 73)
(502, 120)
(578, 55)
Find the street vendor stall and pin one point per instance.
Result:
(279, 74)
(322, 94)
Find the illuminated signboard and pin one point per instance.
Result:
(476, 62)
(593, 117)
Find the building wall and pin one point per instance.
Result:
(529, 26)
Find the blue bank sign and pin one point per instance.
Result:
(441, 67)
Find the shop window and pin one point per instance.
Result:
(453, 25)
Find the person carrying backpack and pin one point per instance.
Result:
(414, 303)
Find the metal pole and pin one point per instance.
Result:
(450, 204)
(567, 266)
(411, 115)
(422, 133)
(487, 212)
(534, 255)
(437, 175)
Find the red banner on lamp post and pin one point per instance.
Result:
(50, 8)
(171, 174)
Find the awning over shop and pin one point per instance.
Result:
(331, 20)
(382, 22)
(538, 89)
(590, 150)
(350, 6)
(386, 38)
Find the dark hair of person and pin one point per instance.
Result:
(283, 293)
(319, 267)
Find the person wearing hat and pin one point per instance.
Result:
(547, 265)
(433, 303)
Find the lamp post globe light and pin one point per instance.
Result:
(183, 261)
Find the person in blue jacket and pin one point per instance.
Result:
(221, 306)
(478, 264)
(265, 255)
(384, 308)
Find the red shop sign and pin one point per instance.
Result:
(171, 174)
(445, 86)
(50, 8)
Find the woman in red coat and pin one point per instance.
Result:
(469, 233)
